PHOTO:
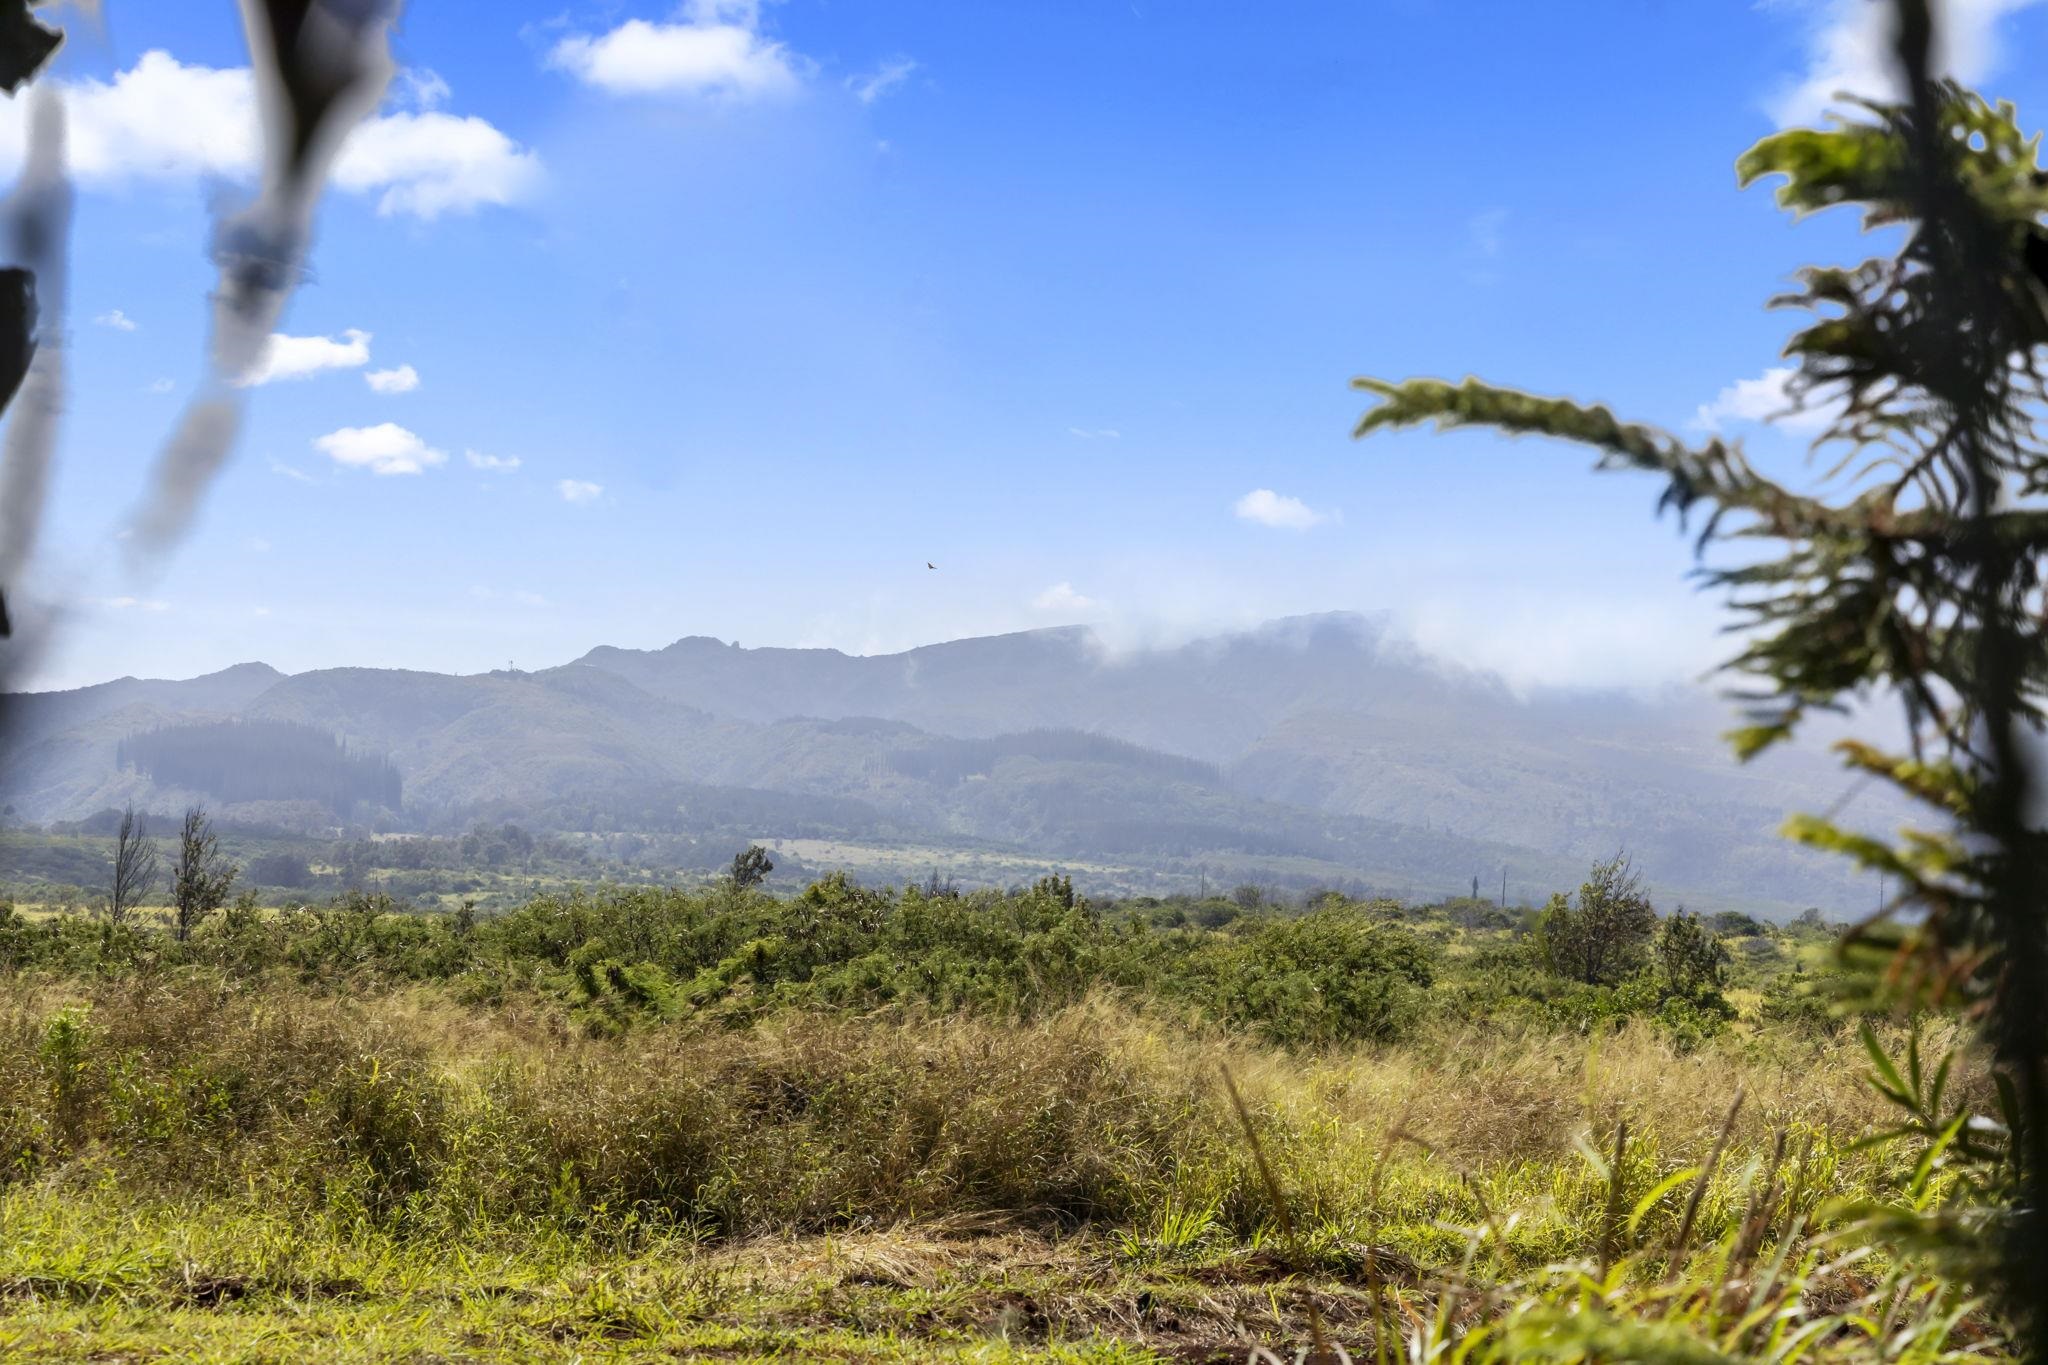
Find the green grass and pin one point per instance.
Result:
(86, 1277)
(86, 1274)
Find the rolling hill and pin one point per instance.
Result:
(1315, 749)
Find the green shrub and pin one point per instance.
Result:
(1330, 976)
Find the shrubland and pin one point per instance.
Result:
(867, 1123)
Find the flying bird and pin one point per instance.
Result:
(929, 565)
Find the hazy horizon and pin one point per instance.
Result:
(1113, 645)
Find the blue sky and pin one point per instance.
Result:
(726, 319)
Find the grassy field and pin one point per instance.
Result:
(347, 1135)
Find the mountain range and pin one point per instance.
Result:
(1312, 750)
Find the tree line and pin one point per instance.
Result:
(263, 760)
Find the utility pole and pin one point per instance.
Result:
(1503, 888)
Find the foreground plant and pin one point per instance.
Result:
(1913, 572)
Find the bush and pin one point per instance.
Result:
(810, 1123)
(1605, 935)
(1331, 976)
(1811, 1003)
(289, 870)
(1690, 960)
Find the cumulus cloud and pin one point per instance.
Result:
(403, 379)
(1062, 597)
(497, 464)
(1767, 398)
(879, 82)
(1850, 50)
(579, 490)
(289, 357)
(1267, 508)
(164, 120)
(386, 448)
(714, 49)
(117, 320)
(430, 163)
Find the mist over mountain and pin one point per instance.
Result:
(1313, 749)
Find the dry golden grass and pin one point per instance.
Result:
(900, 1186)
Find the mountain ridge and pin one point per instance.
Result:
(1335, 748)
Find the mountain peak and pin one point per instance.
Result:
(244, 675)
(254, 668)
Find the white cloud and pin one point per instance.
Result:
(117, 320)
(130, 603)
(431, 163)
(386, 448)
(258, 545)
(1539, 634)
(420, 87)
(716, 50)
(1850, 50)
(158, 386)
(1268, 508)
(579, 490)
(290, 472)
(289, 357)
(404, 379)
(161, 119)
(164, 120)
(1061, 597)
(1763, 399)
(879, 82)
(497, 464)
(1095, 433)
